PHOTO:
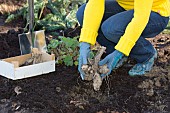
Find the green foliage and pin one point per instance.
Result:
(61, 14)
(167, 29)
(21, 12)
(10, 18)
(168, 26)
(65, 50)
(53, 44)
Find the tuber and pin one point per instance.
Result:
(93, 71)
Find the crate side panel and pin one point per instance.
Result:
(46, 57)
(21, 59)
(7, 70)
(34, 70)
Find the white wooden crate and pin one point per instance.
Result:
(9, 70)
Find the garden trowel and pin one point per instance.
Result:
(32, 39)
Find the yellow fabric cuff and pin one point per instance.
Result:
(124, 45)
(88, 36)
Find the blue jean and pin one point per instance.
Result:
(113, 26)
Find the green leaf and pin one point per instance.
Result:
(68, 42)
(53, 44)
(10, 18)
(68, 60)
(76, 63)
(54, 33)
(92, 55)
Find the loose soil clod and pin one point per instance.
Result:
(17, 90)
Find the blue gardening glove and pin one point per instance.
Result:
(84, 54)
(111, 60)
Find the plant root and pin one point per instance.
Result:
(97, 81)
(93, 71)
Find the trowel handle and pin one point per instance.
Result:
(31, 15)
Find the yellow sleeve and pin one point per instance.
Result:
(142, 10)
(93, 15)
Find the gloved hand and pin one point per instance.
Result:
(111, 60)
(84, 54)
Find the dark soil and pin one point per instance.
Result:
(63, 91)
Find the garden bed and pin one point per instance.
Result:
(63, 90)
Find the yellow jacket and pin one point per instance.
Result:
(142, 8)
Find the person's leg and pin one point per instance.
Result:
(114, 27)
(156, 24)
(111, 8)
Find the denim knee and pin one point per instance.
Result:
(80, 14)
(111, 33)
(101, 39)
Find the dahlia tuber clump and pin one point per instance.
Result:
(36, 57)
(93, 71)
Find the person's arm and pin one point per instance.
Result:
(93, 15)
(142, 10)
